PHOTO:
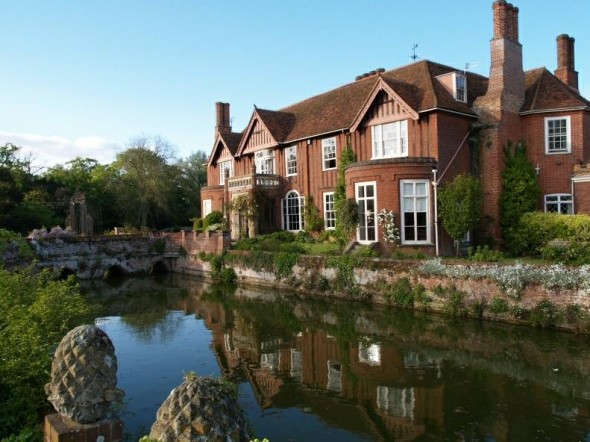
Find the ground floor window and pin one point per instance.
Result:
(292, 212)
(559, 203)
(414, 207)
(366, 198)
(206, 208)
(329, 211)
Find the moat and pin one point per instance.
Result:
(319, 369)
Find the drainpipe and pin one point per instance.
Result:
(435, 185)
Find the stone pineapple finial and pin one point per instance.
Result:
(84, 375)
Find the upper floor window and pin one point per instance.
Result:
(329, 211)
(460, 87)
(329, 153)
(558, 135)
(291, 160)
(390, 140)
(223, 166)
(559, 203)
(265, 162)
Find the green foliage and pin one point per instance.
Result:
(535, 230)
(36, 311)
(520, 191)
(281, 241)
(344, 265)
(460, 206)
(365, 251)
(454, 301)
(401, 293)
(346, 209)
(11, 242)
(283, 264)
(159, 246)
(543, 314)
(212, 219)
(498, 305)
(312, 215)
(484, 254)
(198, 224)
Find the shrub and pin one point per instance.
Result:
(498, 305)
(213, 218)
(401, 293)
(484, 254)
(283, 264)
(313, 219)
(198, 224)
(36, 311)
(543, 314)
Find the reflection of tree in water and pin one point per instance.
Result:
(153, 325)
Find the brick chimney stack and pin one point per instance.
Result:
(222, 113)
(500, 107)
(566, 69)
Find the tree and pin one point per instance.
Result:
(190, 175)
(520, 190)
(145, 180)
(346, 209)
(459, 206)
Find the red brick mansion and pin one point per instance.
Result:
(402, 125)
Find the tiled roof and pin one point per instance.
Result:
(231, 140)
(544, 91)
(279, 124)
(336, 109)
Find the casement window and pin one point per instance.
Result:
(334, 376)
(558, 138)
(559, 203)
(329, 211)
(366, 198)
(206, 208)
(292, 212)
(390, 140)
(223, 166)
(460, 87)
(414, 207)
(265, 162)
(329, 153)
(291, 160)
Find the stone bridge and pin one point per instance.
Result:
(93, 257)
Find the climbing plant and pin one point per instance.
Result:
(346, 208)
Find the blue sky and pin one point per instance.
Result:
(80, 78)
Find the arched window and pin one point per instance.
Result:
(292, 211)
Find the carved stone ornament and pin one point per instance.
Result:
(84, 376)
(200, 409)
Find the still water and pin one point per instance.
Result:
(320, 370)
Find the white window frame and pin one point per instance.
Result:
(367, 222)
(568, 135)
(329, 211)
(264, 161)
(329, 153)
(286, 221)
(390, 140)
(229, 164)
(291, 160)
(460, 93)
(560, 199)
(207, 206)
(414, 197)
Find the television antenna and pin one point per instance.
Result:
(470, 65)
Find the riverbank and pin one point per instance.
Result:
(553, 296)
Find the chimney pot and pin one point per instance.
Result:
(566, 66)
(222, 114)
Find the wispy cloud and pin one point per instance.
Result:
(47, 151)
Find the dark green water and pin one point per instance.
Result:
(320, 370)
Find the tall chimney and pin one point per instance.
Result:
(222, 113)
(566, 69)
(500, 107)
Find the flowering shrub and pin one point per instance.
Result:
(55, 233)
(513, 279)
(386, 219)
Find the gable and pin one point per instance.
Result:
(257, 137)
(384, 105)
(220, 152)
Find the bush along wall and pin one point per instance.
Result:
(543, 296)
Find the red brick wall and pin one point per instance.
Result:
(215, 194)
(195, 243)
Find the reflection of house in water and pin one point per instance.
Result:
(388, 392)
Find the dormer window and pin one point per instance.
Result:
(456, 84)
(460, 87)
